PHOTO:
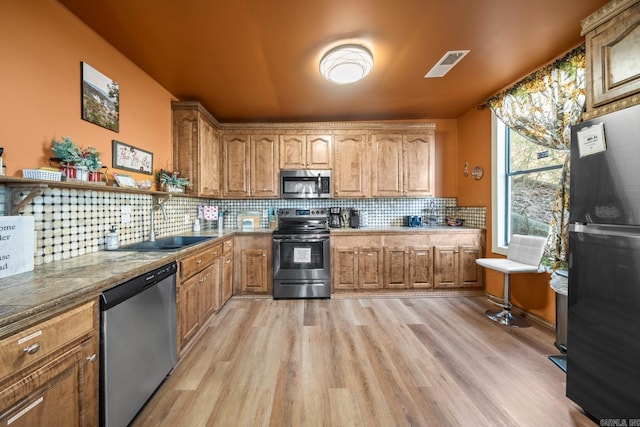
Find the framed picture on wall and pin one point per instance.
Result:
(100, 99)
(131, 158)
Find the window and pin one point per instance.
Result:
(526, 178)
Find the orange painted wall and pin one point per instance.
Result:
(41, 47)
(528, 291)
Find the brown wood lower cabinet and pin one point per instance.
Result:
(253, 273)
(226, 290)
(199, 292)
(456, 267)
(421, 260)
(50, 371)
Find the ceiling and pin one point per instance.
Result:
(257, 60)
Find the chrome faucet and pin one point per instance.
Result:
(152, 231)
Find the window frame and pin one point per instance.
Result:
(500, 189)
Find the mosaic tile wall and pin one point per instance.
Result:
(387, 212)
(70, 222)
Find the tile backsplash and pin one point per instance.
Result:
(73, 222)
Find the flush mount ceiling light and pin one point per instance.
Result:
(346, 64)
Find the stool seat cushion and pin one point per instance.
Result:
(506, 265)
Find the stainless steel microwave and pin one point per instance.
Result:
(306, 184)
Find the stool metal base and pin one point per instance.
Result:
(506, 317)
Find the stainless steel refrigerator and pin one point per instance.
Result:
(603, 343)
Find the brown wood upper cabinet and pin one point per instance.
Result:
(196, 148)
(264, 166)
(612, 40)
(351, 164)
(305, 151)
(250, 165)
(402, 164)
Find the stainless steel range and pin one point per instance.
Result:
(301, 256)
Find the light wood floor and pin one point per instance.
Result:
(365, 362)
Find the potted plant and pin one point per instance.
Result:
(91, 159)
(171, 181)
(68, 154)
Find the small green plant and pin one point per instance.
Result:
(171, 178)
(91, 159)
(67, 151)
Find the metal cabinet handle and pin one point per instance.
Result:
(198, 261)
(32, 349)
(92, 358)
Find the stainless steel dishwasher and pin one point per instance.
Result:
(137, 344)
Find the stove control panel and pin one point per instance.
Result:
(302, 213)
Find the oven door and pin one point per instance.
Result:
(301, 257)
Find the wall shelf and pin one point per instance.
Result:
(16, 201)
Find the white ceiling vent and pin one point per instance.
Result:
(446, 63)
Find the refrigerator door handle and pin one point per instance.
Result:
(606, 230)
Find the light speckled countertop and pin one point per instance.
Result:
(51, 288)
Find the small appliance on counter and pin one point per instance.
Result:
(412, 221)
(354, 218)
(335, 217)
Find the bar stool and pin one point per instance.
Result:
(523, 256)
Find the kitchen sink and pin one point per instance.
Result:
(165, 243)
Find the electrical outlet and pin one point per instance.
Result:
(187, 219)
(125, 218)
(125, 209)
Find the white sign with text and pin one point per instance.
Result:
(17, 241)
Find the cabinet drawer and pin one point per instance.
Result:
(192, 264)
(33, 344)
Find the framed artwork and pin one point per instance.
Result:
(125, 181)
(100, 99)
(131, 158)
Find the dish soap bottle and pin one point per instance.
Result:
(112, 239)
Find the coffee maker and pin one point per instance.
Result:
(335, 217)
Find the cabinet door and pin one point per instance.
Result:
(254, 271)
(344, 268)
(445, 267)
(227, 278)
(185, 144)
(264, 166)
(189, 317)
(386, 165)
(196, 151)
(61, 393)
(293, 151)
(370, 268)
(470, 273)
(208, 161)
(421, 268)
(613, 69)
(209, 290)
(235, 152)
(396, 268)
(419, 151)
(350, 165)
(319, 152)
